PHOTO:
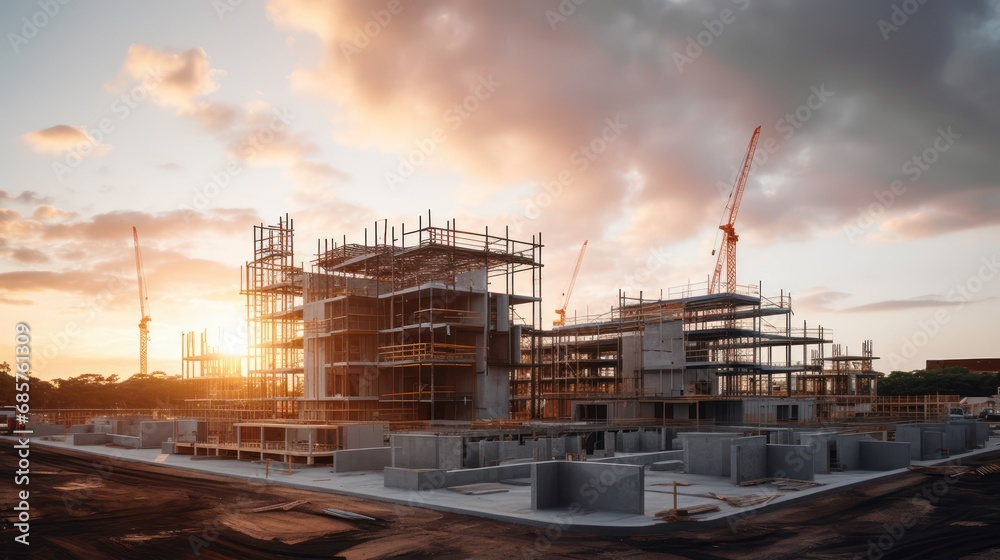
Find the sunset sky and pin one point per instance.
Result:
(874, 199)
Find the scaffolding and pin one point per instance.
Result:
(418, 324)
(690, 344)
(272, 285)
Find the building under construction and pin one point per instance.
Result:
(441, 324)
(408, 325)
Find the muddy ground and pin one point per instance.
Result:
(82, 506)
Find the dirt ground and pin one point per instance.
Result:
(88, 507)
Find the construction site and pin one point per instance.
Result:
(419, 360)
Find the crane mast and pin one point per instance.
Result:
(143, 305)
(727, 248)
(561, 312)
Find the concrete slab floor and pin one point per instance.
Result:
(514, 506)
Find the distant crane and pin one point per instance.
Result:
(727, 249)
(143, 305)
(561, 312)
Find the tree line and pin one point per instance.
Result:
(949, 381)
(91, 390)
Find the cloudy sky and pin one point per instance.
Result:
(874, 197)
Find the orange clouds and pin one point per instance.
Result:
(62, 138)
(174, 79)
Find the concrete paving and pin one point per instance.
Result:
(515, 505)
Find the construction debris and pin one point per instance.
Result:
(992, 468)
(347, 514)
(949, 470)
(479, 489)
(284, 507)
(783, 483)
(684, 514)
(746, 500)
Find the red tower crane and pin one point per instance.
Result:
(143, 305)
(727, 249)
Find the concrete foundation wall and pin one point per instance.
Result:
(848, 452)
(588, 485)
(650, 441)
(190, 431)
(748, 458)
(908, 433)
(414, 451)
(371, 459)
(982, 434)
(364, 436)
(819, 446)
(153, 433)
(707, 453)
(90, 439)
(42, 430)
(957, 436)
(643, 458)
(81, 429)
(131, 442)
(414, 479)
(884, 455)
(628, 442)
(487, 474)
(450, 452)
(932, 445)
(789, 461)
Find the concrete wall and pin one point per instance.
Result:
(450, 452)
(932, 444)
(628, 442)
(131, 442)
(707, 453)
(90, 439)
(364, 436)
(884, 455)
(748, 458)
(371, 459)
(42, 430)
(789, 461)
(642, 458)
(414, 451)
(189, 430)
(956, 436)
(909, 433)
(81, 429)
(414, 479)
(588, 486)
(153, 433)
(487, 474)
(848, 452)
(426, 451)
(819, 446)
